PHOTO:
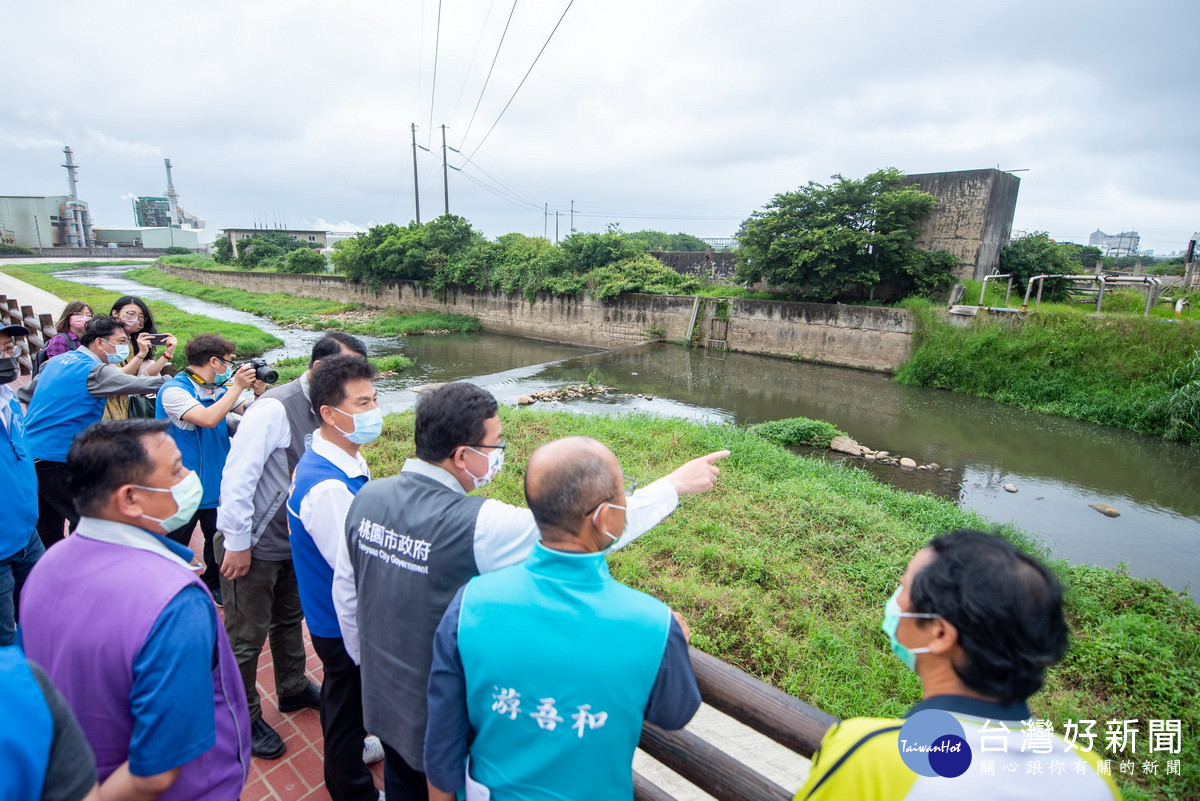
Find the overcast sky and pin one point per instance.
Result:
(673, 116)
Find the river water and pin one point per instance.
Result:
(1059, 466)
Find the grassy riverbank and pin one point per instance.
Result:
(1125, 371)
(783, 570)
(296, 312)
(250, 340)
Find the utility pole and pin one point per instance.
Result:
(546, 222)
(556, 213)
(445, 172)
(416, 189)
(572, 216)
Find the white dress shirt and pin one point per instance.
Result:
(323, 509)
(504, 535)
(263, 430)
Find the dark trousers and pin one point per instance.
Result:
(400, 780)
(265, 602)
(55, 504)
(14, 570)
(346, 777)
(207, 520)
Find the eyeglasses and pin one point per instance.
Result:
(501, 446)
(628, 486)
(133, 316)
(13, 348)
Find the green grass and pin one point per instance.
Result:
(292, 367)
(1119, 370)
(1124, 301)
(798, 431)
(46, 269)
(784, 568)
(250, 340)
(297, 312)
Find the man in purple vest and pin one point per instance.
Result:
(151, 677)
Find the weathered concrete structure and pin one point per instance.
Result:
(865, 337)
(973, 217)
(697, 264)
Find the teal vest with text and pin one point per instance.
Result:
(559, 660)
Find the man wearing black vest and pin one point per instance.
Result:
(414, 539)
(258, 583)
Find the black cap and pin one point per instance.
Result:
(15, 330)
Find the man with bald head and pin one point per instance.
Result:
(544, 671)
(414, 539)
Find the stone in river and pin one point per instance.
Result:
(845, 445)
(524, 400)
(1010, 487)
(1105, 509)
(907, 463)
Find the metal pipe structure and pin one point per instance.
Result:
(75, 235)
(1041, 278)
(1153, 287)
(987, 278)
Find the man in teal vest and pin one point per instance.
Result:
(197, 402)
(543, 672)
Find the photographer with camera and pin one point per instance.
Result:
(197, 402)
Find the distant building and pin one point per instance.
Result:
(147, 237)
(236, 234)
(44, 221)
(972, 219)
(1122, 244)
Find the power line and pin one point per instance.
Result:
(474, 53)
(489, 74)
(437, 43)
(522, 83)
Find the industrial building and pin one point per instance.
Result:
(1123, 244)
(143, 236)
(45, 221)
(234, 234)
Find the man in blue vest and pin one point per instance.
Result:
(414, 539)
(327, 478)
(66, 397)
(197, 402)
(45, 753)
(20, 545)
(543, 672)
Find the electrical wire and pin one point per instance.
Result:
(499, 190)
(489, 74)
(522, 83)
(437, 43)
(474, 53)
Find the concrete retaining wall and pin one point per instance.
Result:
(868, 338)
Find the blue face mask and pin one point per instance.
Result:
(368, 425)
(223, 378)
(891, 621)
(122, 353)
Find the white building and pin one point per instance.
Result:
(1122, 244)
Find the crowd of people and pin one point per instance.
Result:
(480, 649)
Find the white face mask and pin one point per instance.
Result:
(495, 460)
(187, 495)
(596, 523)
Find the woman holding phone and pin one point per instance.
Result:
(138, 321)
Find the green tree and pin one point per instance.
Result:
(412, 253)
(1038, 254)
(660, 240)
(254, 252)
(223, 251)
(841, 239)
(303, 260)
(590, 251)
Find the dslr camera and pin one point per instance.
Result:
(262, 370)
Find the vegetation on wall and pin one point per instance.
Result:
(270, 250)
(1123, 370)
(843, 239)
(447, 253)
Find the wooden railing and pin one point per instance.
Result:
(771, 712)
(41, 329)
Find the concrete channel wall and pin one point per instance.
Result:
(868, 338)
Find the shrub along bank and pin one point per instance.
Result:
(296, 312)
(1125, 371)
(783, 570)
